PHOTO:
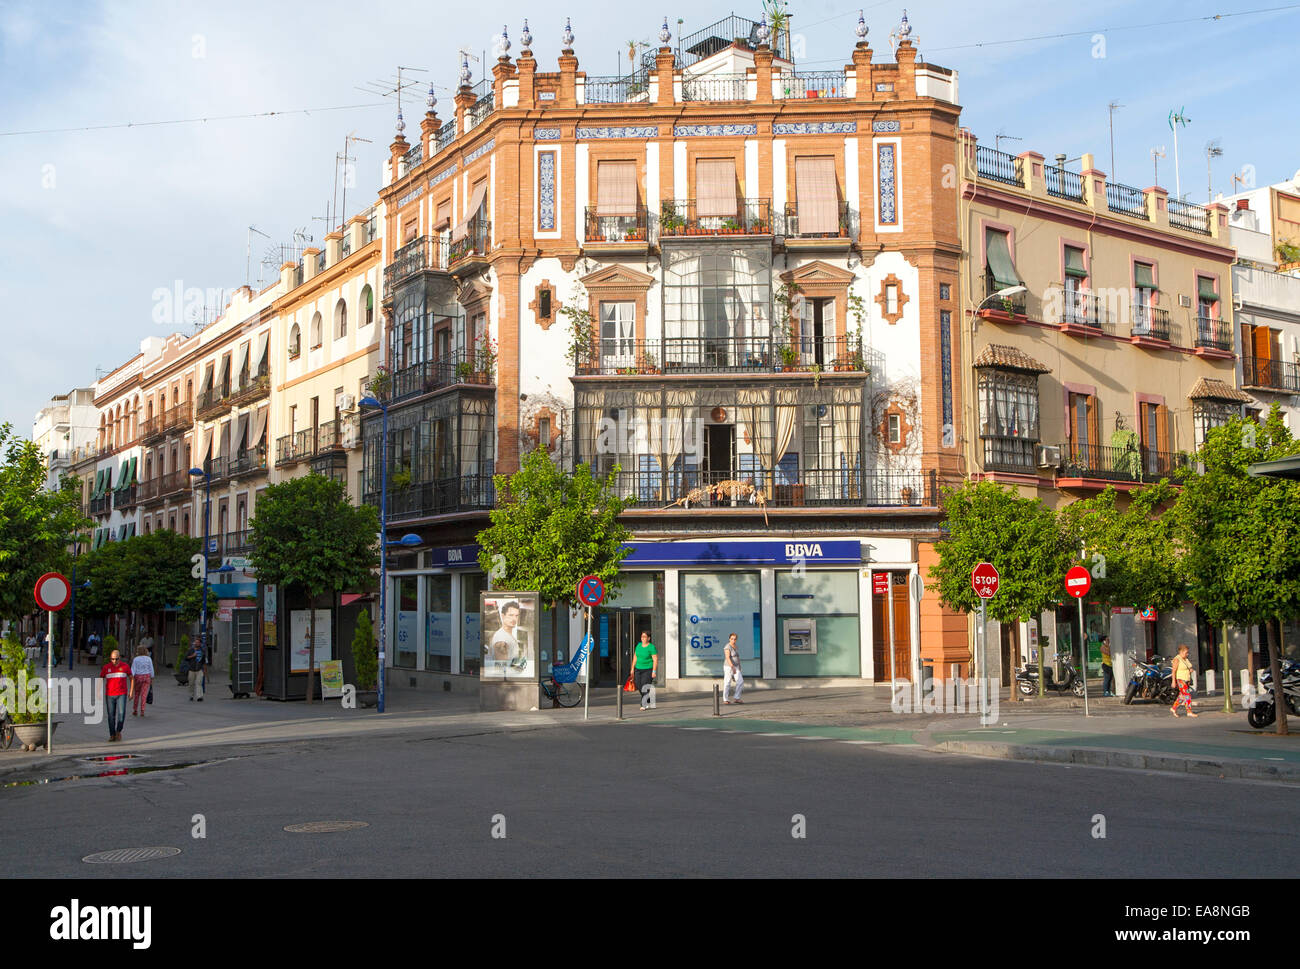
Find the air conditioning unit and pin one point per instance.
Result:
(349, 438)
(347, 402)
(1047, 456)
(1184, 300)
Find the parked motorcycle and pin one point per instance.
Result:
(1027, 679)
(1262, 710)
(1150, 681)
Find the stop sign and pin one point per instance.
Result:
(1078, 582)
(984, 580)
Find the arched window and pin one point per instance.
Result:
(367, 306)
(340, 320)
(295, 342)
(315, 331)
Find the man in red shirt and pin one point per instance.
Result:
(117, 679)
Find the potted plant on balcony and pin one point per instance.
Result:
(788, 356)
(907, 493)
(581, 331)
(730, 226)
(401, 478)
(646, 363)
(485, 360)
(381, 384)
(670, 223)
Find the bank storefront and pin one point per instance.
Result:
(802, 610)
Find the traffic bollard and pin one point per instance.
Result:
(717, 707)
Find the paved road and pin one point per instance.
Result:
(632, 799)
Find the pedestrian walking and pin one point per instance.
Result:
(117, 689)
(731, 675)
(141, 680)
(1107, 670)
(1184, 677)
(196, 659)
(645, 666)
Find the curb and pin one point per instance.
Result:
(1129, 760)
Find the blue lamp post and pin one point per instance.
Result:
(207, 501)
(383, 546)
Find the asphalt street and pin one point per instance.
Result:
(638, 799)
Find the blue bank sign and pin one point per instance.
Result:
(838, 552)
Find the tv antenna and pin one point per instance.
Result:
(1000, 137)
(1112, 107)
(248, 256)
(1157, 153)
(346, 159)
(392, 86)
(1177, 118)
(1213, 150)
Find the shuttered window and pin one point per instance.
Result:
(715, 187)
(817, 196)
(1000, 264)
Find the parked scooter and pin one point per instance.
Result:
(1262, 710)
(1027, 679)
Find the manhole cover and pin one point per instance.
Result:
(128, 856)
(110, 758)
(325, 827)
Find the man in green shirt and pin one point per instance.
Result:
(645, 664)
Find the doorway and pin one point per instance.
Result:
(718, 448)
(617, 631)
(892, 660)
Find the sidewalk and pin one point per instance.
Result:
(1143, 736)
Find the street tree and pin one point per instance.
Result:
(308, 537)
(986, 522)
(158, 566)
(36, 525)
(1240, 535)
(550, 529)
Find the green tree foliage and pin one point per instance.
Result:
(36, 525)
(1240, 536)
(365, 656)
(1131, 552)
(989, 523)
(550, 529)
(308, 537)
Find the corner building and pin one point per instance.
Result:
(730, 278)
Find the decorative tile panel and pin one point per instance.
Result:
(546, 134)
(546, 191)
(410, 196)
(443, 175)
(712, 130)
(480, 151)
(640, 131)
(815, 128)
(885, 170)
(886, 126)
(945, 368)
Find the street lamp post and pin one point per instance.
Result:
(72, 615)
(207, 502)
(383, 546)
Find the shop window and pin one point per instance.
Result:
(817, 624)
(713, 606)
(407, 622)
(439, 632)
(471, 646)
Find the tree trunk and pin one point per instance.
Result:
(1227, 672)
(1274, 628)
(311, 649)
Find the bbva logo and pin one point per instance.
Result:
(800, 550)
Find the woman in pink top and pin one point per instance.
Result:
(141, 679)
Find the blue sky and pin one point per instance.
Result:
(96, 221)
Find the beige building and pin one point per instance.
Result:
(1098, 319)
(325, 344)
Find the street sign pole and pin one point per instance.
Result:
(889, 613)
(981, 681)
(586, 665)
(49, 686)
(1083, 659)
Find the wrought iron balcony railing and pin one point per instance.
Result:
(425, 254)
(682, 217)
(163, 486)
(414, 155)
(604, 228)
(1080, 308)
(757, 489)
(238, 543)
(1270, 374)
(617, 90)
(472, 492)
(445, 136)
(999, 166)
(722, 354)
(1185, 215)
(846, 224)
(102, 505)
(1213, 334)
(812, 84)
(716, 87)
(1126, 200)
(292, 448)
(473, 247)
(1063, 184)
(343, 432)
(251, 387)
(1121, 464)
(1151, 322)
(458, 367)
(478, 113)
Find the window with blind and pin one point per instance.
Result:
(1008, 402)
(1144, 291)
(715, 187)
(816, 196)
(1083, 429)
(999, 267)
(616, 190)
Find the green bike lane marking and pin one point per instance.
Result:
(1060, 738)
(784, 729)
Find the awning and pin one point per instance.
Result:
(1205, 290)
(998, 357)
(241, 427)
(1208, 388)
(259, 358)
(1000, 263)
(347, 598)
(122, 474)
(816, 195)
(242, 360)
(202, 456)
(715, 187)
(475, 203)
(1143, 276)
(616, 188)
(1074, 262)
(259, 426)
(443, 225)
(99, 484)
(131, 477)
(207, 379)
(225, 441)
(221, 372)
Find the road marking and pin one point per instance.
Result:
(774, 734)
(1275, 758)
(812, 738)
(699, 728)
(862, 742)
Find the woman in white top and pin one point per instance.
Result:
(141, 679)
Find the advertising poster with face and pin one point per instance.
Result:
(509, 634)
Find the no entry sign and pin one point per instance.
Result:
(591, 591)
(879, 583)
(53, 591)
(1078, 582)
(984, 580)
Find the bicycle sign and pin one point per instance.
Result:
(591, 591)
